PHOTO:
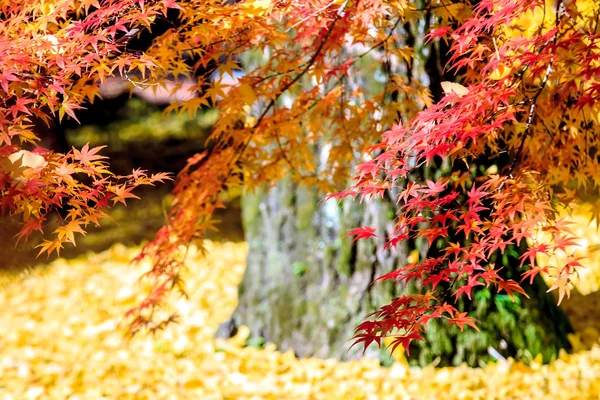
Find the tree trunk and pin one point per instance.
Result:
(306, 287)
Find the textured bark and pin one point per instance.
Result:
(306, 287)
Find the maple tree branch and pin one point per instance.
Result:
(283, 152)
(381, 43)
(289, 84)
(204, 47)
(430, 7)
(276, 74)
(534, 99)
(244, 145)
(529, 122)
(384, 41)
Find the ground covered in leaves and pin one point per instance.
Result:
(61, 337)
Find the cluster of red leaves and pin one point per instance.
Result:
(36, 183)
(53, 57)
(524, 97)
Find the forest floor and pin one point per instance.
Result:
(61, 336)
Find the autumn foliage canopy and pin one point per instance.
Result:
(526, 91)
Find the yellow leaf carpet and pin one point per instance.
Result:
(61, 337)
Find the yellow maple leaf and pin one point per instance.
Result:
(500, 72)
(247, 93)
(562, 284)
(456, 88)
(256, 8)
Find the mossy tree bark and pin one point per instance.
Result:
(306, 287)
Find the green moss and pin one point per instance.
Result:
(306, 204)
(299, 268)
(344, 258)
(250, 210)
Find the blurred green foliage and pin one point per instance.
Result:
(140, 122)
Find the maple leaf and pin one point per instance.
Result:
(404, 341)
(510, 287)
(563, 241)
(256, 7)
(362, 233)
(438, 33)
(433, 188)
(121, 193)
(461, 319)
(161, 177)
(366, 340)
(531, 253)
(67, 231)
(49, 246)
(531, 273)
(466, 288)
(21, 106)
(563, 285)
(5, 78)
(454, 88)
(33, 224)
(87, 155)
(69, 108)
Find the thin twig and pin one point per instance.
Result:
(287, 86)
(534, 99)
